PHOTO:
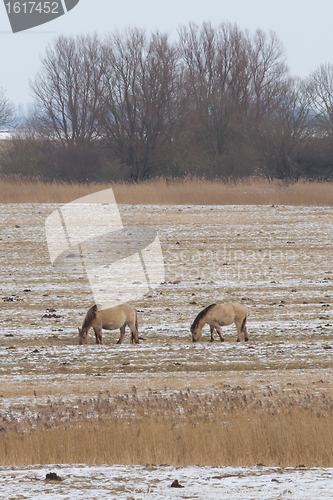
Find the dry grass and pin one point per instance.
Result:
(169, 192)
(180, 429)
(274, 440)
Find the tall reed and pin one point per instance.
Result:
(273, 439)
(176, 192)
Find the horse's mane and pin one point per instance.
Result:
(201, 315)
(90, 316)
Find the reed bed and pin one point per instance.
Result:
(253, 191)
(274, 440)
(183, 428)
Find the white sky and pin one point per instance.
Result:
(305, 27)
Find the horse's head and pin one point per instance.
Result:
(83, 337)
(196, 332)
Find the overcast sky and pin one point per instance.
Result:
(305, 27)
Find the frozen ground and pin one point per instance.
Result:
(276, 260)
(154, 482)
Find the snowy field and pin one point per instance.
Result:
(275, 260)
(154, 482)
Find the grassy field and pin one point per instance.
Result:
(168, 400)
(176, 192)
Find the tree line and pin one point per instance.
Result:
(218, 102)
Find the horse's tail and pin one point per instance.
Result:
(244, 323)
(136, 326)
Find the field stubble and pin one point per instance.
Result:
(167, 400)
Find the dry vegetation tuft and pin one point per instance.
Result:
(177, 191)
(183, 428)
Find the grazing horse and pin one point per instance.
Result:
(217, 315)
(109, 319)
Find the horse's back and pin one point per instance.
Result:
(231, 312)
(117, 316)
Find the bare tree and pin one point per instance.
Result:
(217, 78)
(269, 74)
(7, 111)
(142, 100)
(67, 90)
(319, 88)
(286, 133)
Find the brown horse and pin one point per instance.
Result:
(109, 319)
(217, 315)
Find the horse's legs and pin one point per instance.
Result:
(239, 329)
(98, 335)
(134, 330)
(212, 328)
(218, 329)
(122, 334)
